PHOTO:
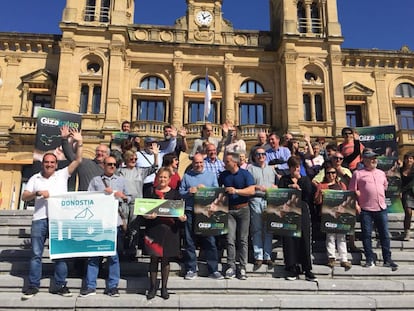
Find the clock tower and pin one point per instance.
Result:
(204, 21)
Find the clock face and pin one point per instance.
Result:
(204, 18)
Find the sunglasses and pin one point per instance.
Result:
(338, 158)
(260, 154)
(332, 172)
(110, 164)
(133, 159)
(348, 133)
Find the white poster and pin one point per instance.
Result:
(82, 224)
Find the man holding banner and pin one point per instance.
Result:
(110, 184)
(369, 185)
(40, 187)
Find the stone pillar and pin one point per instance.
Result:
(290, 106)
(381, 112)
(66, 81)
(336, 91)
(177, 105)
(229, 107)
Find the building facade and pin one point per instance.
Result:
(295, 77)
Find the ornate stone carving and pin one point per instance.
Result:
(166, 36)
(141, 35)
(205, 35)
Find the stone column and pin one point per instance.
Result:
(229, 107)
(178, 98)
(380, 112)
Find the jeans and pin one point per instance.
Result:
(208, 245)
(39, 234)
(380, 219)
(261, 239)
(239, 221)
(93, 270)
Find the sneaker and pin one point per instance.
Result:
(230, 274)
(190, 275)
(112, 292)
(242, 275)
(30, 292)
(87, 292)
(291, 276)
(63, 291)
(391, 264)
(309, 276)
(369, 264)
(216, 276)
(331, 262)
(346, 264)
(407, 235)
(257, 264)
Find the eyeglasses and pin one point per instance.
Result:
(332, 172)
(110, 164)
(260, 154)
(338, 158)
(133, 159)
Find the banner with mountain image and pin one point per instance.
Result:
(382, 140)
(283, 215)
(210, 211)
(338, 213)
(82, 224)
(161, 207)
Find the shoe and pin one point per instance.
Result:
(269, 262)
(291, 276)
(407, 235)
(112, 292)
(30, 292)
(63, 291)
(331, 262)
(346, 264)
(164, 293)
(309, 276)
(369, 264)
(242, 275)
(216, 276)
(257, 264)
(391, 264)
(190, 275)
(151, 293)
(229, 274)
(87, 292)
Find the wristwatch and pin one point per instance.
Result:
(37, 193)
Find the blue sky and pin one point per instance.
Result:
(381, 24)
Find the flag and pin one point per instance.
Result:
(207, 98)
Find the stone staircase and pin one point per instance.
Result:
(376, 288)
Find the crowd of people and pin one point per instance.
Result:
(273, 162)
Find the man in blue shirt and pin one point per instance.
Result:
(277, 155)
(239, 186)
(212, 163)
(197, 178)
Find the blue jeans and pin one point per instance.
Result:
(39, 234)
(380, 219)
(239, 221)
(208, 245)
(93, 270)
(261, 239)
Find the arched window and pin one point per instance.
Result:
(405, 90)
(316, 18)
(152, 83)
(196, 111)
(251, 111)
(313, 91)
(151, 108)
(97, 10)
(301, 17)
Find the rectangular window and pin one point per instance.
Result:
(307, 113)
(96, 99)
(90, 11)
(44, 101)
(252, 114)
(83, 103)
(151, 110)
(405, 118)
(196, 112)
(318, 108)
(353, 116)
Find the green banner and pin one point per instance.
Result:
(338, 212)
(163, 208)
(382, 139)
(210, 211)
(283, 215)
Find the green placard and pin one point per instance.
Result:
(163, 208)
